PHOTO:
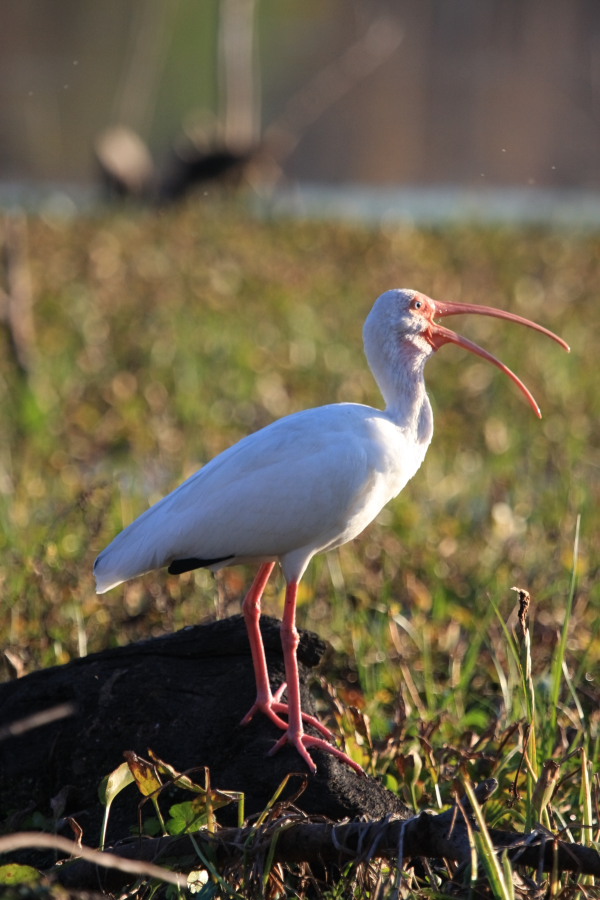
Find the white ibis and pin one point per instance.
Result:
(305, 484)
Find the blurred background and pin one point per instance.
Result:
(463, 97)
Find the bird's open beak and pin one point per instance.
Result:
(437, 335)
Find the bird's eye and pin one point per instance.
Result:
(416, 304)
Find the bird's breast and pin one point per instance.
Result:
(364, 471)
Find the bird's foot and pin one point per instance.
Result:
(302, 741)
(272, 705)
(269, 707)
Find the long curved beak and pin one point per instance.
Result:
(437, 336)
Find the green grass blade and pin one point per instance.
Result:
(559, 658)
(501, 885)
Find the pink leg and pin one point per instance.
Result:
(265, 701)
(251, 609)
(295, 734)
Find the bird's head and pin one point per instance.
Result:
(406, 319)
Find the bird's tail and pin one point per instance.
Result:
(133, 552)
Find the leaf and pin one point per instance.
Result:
(182, 781)
(144, 773)
(114, 783)
(197, 882)
(544, 789)
(186, 817)
(191, 815)
(108, 789)
(12, 873)
(147, 780)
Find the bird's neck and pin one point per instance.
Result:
(402, 383)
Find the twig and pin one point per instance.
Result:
(130, 865)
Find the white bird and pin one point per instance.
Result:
(305, 484)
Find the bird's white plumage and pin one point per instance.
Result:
(307, 483)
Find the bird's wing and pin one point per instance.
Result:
(303, 481)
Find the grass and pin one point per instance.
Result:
(161, 338)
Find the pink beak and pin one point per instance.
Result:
(437, 335)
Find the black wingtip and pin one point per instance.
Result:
(179, 566)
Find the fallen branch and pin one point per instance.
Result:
(294, 838)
